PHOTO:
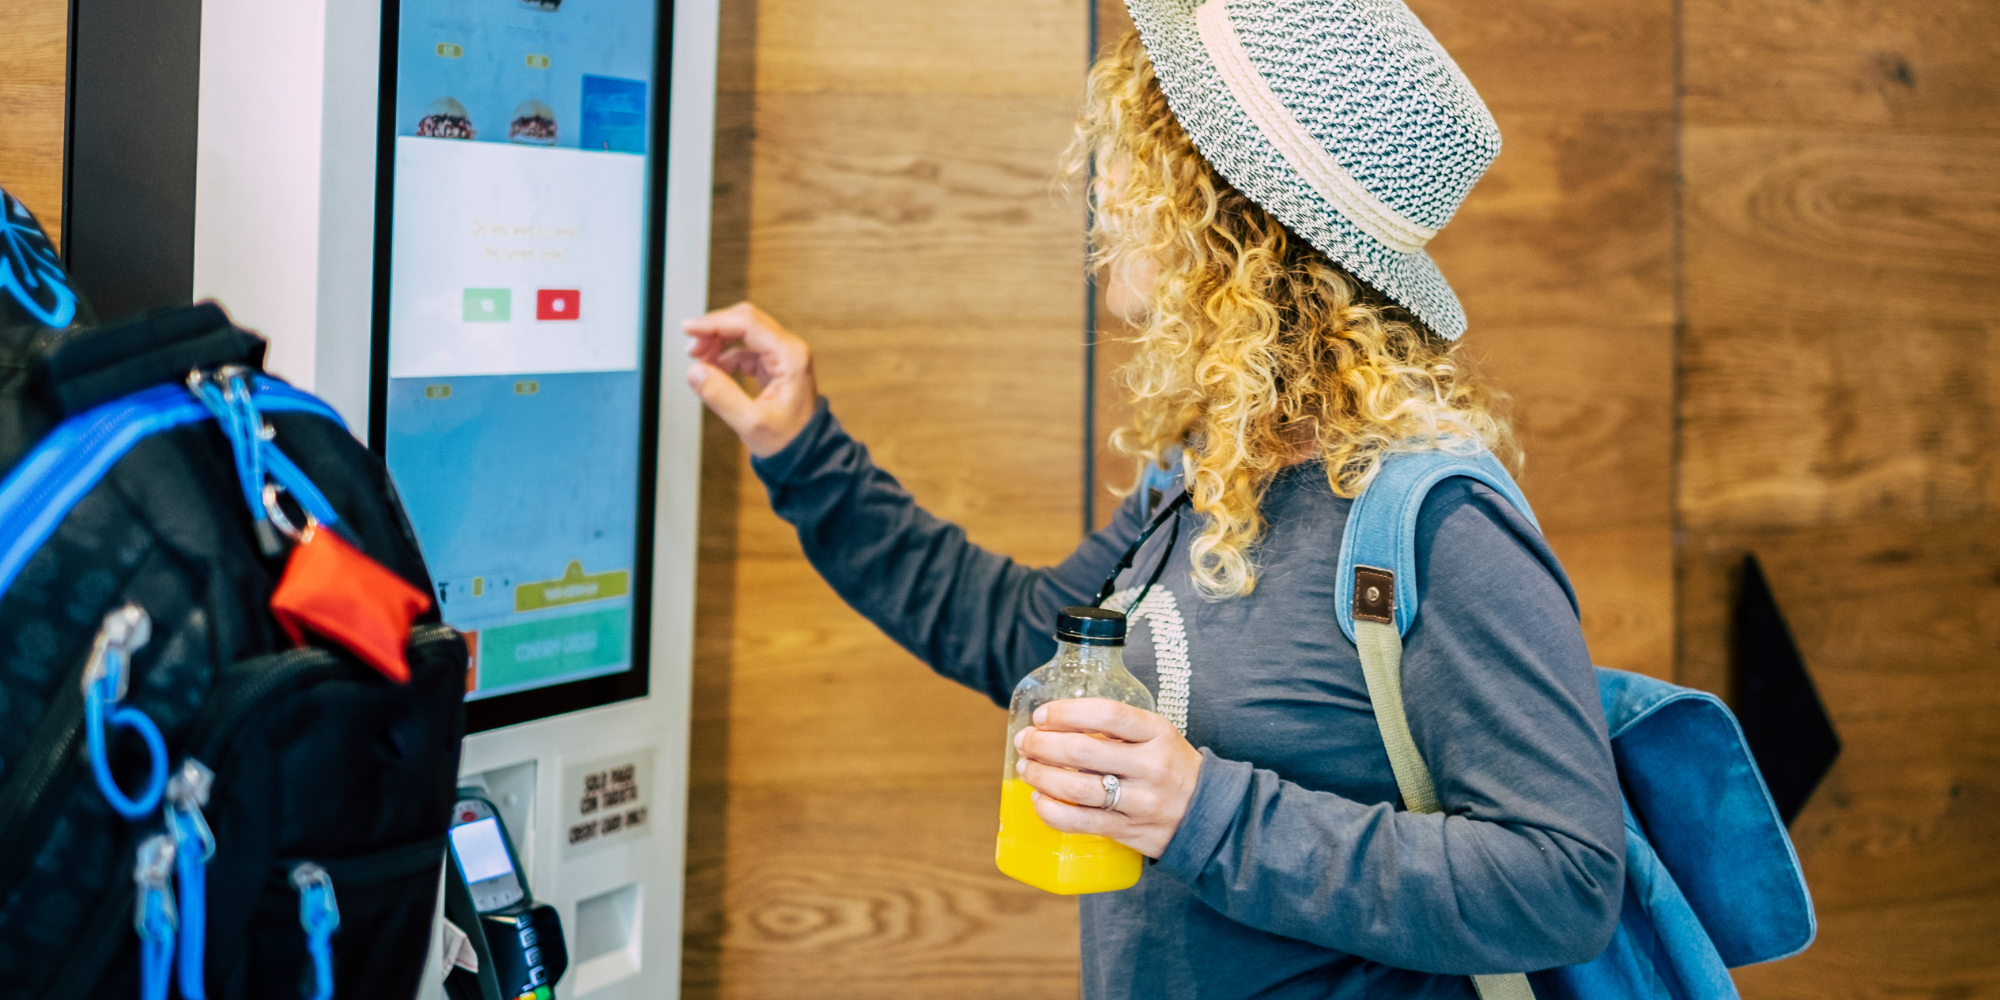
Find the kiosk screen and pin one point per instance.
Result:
(514, 293)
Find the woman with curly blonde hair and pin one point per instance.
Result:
(1253, 347)
(1267, 174)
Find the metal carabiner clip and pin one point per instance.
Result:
(275, 513)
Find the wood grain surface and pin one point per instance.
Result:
(34, 57)
(889, 171)
(1838, 404)
(1875, 65)
(1564, 259)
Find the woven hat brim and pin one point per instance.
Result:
(1229, 140)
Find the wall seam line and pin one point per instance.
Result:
(1676, 444)
(1089, 306)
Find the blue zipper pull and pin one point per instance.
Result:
(153, 914)
(194, 845)
(320, 917)
(105, 677)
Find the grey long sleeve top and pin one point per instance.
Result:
(1294, 873)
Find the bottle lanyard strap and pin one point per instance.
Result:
(1161, 566)
(1172, 510)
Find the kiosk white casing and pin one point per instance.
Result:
(285, 202)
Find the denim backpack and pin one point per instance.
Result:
(1711, 880)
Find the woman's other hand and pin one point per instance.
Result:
(743, 340)
(1074, 742)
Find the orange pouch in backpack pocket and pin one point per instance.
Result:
(332, 590)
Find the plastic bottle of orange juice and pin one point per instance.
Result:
(1089, 663)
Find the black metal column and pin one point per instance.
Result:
(129, 158)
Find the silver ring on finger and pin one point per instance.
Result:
(1113, 791)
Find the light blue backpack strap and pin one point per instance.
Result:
(1160, 484)
(1378, 552)
(1382, 526)
(52, 478)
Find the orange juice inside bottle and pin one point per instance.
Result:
(1066, 863)
(1089, 663)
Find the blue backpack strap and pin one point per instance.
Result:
(50, 480)
(1159, 484)
(1381, 529)
(1378, 553)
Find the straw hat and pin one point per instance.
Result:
(1343, 118)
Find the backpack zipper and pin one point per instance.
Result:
(216, 729)
(38, 772)
(99, 938)
(374, 869)
(43, 769)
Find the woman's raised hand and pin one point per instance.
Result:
(743, 340)
(1065, 755)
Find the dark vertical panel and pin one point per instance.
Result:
(1091, 334)
(128, 198)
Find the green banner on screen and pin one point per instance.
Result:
(522, 654)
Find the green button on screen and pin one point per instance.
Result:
(488, 305)
(521, 654)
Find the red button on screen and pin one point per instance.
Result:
(558, 303)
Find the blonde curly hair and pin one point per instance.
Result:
(1255, 348)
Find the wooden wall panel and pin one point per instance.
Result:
(1874, 65)
(1111, 471)
(1838, 405)
(1564, 259)
(890, 168)
(34, 58)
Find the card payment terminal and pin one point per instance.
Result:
(485, 856)
(525, 941)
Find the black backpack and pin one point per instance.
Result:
(328, 786)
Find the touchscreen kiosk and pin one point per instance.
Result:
(462, 223)
(516, 383)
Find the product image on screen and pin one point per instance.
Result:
(511, 380)
(481, 853)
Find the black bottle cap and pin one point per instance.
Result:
(1091, 626)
